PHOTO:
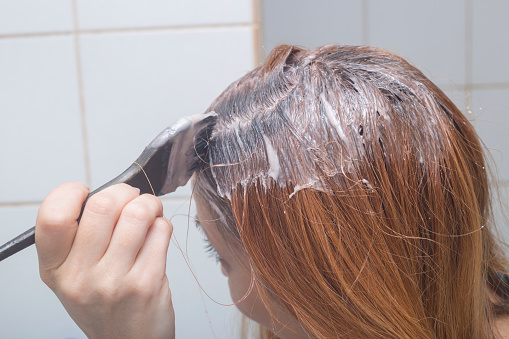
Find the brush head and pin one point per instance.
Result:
(167, 163)
(171, 158)
(187, 141)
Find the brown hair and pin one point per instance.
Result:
(359, 192)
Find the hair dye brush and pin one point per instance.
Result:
(167, 162)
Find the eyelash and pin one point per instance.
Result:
(211, 251)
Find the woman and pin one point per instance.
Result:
(346, 197)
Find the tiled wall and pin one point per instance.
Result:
(84, 86)
(462, 45)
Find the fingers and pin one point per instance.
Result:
(99, 218)
(56, 224)
(151, 260)
(131, 231)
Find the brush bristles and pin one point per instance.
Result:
(201, 142)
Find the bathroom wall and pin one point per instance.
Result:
(462, 45)
(84, 86)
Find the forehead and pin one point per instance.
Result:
(204, 215)
(207, 221)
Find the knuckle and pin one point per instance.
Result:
(108, 290)
(101, 204)
(75, 186)
(170, 226)
(124, 186)
(138, 212)
(54, 219)
(52, 216)
(163, 227)
(73, 290)
(107, 287)
(72, 294)
(152, 199)
(47, 278)
(70, 187)
(141, 288)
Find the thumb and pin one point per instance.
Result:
(56, 225)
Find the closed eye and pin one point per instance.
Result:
(211, 251)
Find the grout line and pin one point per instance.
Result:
(257, 39)
(468, 55)
(490, 86)
(124, 30)
(35, 35)
(167, 198)
(35, 203)
(79, 71)
(20, 204)
(365, 22)
(479, 87)
(165, 28)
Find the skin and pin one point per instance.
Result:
(502, 324)
(110, 273)
(236, 267)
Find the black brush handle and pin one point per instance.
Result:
(27, 238)
(17, 244)
(132, 176)
(150, 172)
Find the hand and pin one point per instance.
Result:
(110, 272)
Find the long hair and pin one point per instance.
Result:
(359, 192)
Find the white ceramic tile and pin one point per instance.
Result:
(28, 309)
(40, 128)
(298, 22)
(457, 95)
(33, 16)
(491, 118)
(490, 41)
(196, 317)
(430, 34)
(137, 84)
(108, 14)
(501, 213)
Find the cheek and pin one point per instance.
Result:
(252, 307)
(224, 271)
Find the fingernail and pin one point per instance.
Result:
(137, 189)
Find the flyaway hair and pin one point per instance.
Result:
(359, 192)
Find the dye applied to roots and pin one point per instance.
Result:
(308, 119)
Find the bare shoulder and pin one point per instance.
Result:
(502, 324)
